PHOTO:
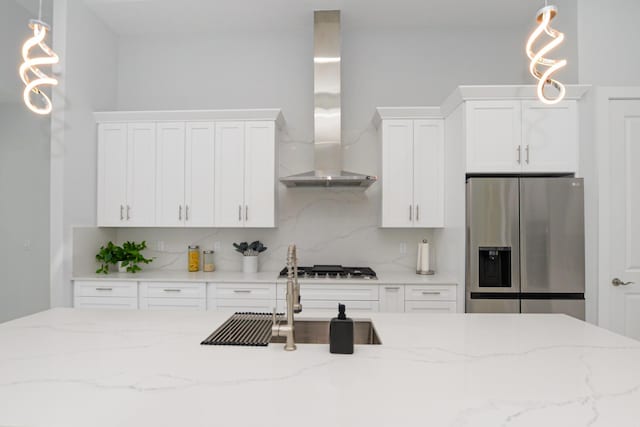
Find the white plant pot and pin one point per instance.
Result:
(122, 269)
(250, 264)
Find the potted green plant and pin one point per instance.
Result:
(126, 257)
(250, 252)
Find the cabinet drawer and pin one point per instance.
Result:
(430, 293)
(106, 302)
(430, 306)
(324, 305)
(265, 291)
(257, 305)
(196, 304)
(333, 292)
(106, 288)
(172, 290)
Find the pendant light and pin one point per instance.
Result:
(30, 73)
(538, 59)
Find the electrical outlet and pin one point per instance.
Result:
(403, 248)
(27, 245)
(217, 246)
(160, 245)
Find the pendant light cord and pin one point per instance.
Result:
(40, 11)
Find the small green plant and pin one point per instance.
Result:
(250, 249)
(129, 253)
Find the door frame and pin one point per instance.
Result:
(604, 95)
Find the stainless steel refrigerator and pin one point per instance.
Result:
(525, 245)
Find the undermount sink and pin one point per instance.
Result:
(317, 332)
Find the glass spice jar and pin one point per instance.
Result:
(207, 261)
(194, 258)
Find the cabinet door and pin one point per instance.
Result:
(397, 173)
(260, 175)
(550, 137)
(493, 137)
(170, 168)
(112, 174)
(229, 174)
(200, 179)
(392, 298)
(428, 173)
(141, 176)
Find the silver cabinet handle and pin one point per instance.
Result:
(186, 212)
(104, 289)
(121, 213)
(519, 152)
(240, 213)
(179, 212)
(392, 288)
(417, 212)
(526, 150)
(410, 213)
(246, 213)
(430, 293)
(618, 282)
(242, 291)
(128, 212)
(172, 290)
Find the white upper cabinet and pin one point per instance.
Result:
(549, 137)
(412, 173)
(199, 175)
(516, 136)
(245, 174)
(428, 173)
(187, 168)
(493, 136)
(260, 175)
(126, 174)
(112, 174)
(171, 174)
(229, 175)
(397, 173)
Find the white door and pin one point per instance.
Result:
(494, 136)
(428, 173)
(397, 173)
(200, 179)
(624, 216)
(260, 175)
(141, 175)
(170, 174)
(229, 174)
(112, 174)
(549, 137)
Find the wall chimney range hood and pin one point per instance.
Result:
(327, 114)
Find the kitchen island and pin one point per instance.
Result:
(72, 367)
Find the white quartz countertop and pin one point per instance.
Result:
(70, 367)
(384, 277)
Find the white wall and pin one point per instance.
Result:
(88, 74)
(24, 171)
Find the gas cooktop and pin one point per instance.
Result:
(333, 272)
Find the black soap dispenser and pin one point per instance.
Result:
(341, 333)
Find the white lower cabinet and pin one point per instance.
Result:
(264, 297)
(172, 296)
(257, 297)
(392, 298)
(105, 294)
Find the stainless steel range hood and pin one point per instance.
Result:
(327, 114)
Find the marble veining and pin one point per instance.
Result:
(69, 367)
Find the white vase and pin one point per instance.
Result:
(122, 269)
(250, 264)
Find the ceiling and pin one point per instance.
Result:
(136, 17)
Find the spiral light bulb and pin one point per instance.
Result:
(538, 59)
(30, 73)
